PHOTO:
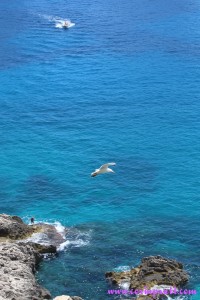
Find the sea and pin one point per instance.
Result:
(122, 85)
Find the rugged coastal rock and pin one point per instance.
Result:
(43, 249)
(153, 271)
(18, 262)
(19, 257)
(12, 227)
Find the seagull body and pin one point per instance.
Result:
(103, 169)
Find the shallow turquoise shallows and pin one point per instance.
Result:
(121, 85)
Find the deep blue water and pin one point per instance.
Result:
(122, 85)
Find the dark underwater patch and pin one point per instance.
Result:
(42, 187)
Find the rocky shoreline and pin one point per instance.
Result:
(20, 257)
(18, 263)
(154, 271)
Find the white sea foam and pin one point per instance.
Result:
(39, 238)
(122, 269)
(167, 287)
(50, 18)
(75, 239)
(42, 238)
(125, 284)
(176, 298)
(76, 244)
(60, 228)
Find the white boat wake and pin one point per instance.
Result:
(59, 22)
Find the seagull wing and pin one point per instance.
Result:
(105, 166)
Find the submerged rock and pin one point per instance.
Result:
(154, 270)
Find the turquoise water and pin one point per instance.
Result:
(121, 85)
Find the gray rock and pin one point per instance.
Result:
(19, 257)
(49, 234)
(18, 264)
(42, 249)
(12, 227)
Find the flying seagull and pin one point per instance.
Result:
(103, 169)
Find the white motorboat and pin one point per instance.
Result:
(66, 24)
